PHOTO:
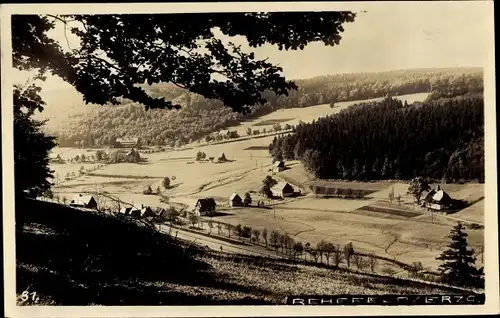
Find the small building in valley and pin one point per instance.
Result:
(56, 159)
(222, 158)
(205, 206)
(282, 190)
(147, 212)
(437, 199)
(278, 166)
(235, 200)
(84, 201)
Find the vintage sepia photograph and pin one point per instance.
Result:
(197, 159)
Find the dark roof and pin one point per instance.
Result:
(207, 202)
(234, 196)
(281, 186)
(279, 164)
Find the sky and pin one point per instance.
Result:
(385, 36)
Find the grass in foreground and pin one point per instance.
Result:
(71, 257)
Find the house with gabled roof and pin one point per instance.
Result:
(278, 166)
(84, 201)
(282, 190)
(205, 206)
(438, 199)
(235, 200)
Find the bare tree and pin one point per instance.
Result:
(265, 236)
(320, 248)
(210, 224)
(256, 235)
(315, 255)
(229, 228)
(337, 255)
(275, 239)
(348, 252)
(373, 262)
(328, 249)
(298, 248)
(359, 261)
(219, 227)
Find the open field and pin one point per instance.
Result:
(391, 229)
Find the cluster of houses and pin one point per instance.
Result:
(134, 211)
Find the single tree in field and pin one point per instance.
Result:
(373, 262)
(265, 236)
(320, 247)
(247, 200)
(210, 224)
(267, 184)
(193, 219)
(328, 250)
(166, 182)
(275, 239)
(229, 228)
(172, 214)
(307, 249)
(298, 249)
(219, 227)
(239, 230)
(315, 255)
(256, 235)
(337, 255)
(348, 252)
(417, 187)
(398, 198)
(459, 263)
(249, 131)
(246, 232)
(391, 195)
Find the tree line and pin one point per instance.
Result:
(439, 139)
(201, 116)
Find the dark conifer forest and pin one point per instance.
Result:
(440, 139)
(200, 116)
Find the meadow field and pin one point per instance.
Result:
(398, 230)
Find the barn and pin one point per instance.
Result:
(438, 199)
(205, 206)
(235, 200)
(84, 201)
(279, 166)
(282, 190)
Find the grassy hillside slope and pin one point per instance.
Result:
(73, 257)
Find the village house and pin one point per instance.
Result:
(205, 206)
(437, 199)
(235, 200)
(147, 212)
(137, 211)
(56, 159)
(222, 158)
(282, 190)
(84, 201)
(279, 166)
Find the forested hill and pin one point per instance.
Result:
(199, 116)
(440, 139)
